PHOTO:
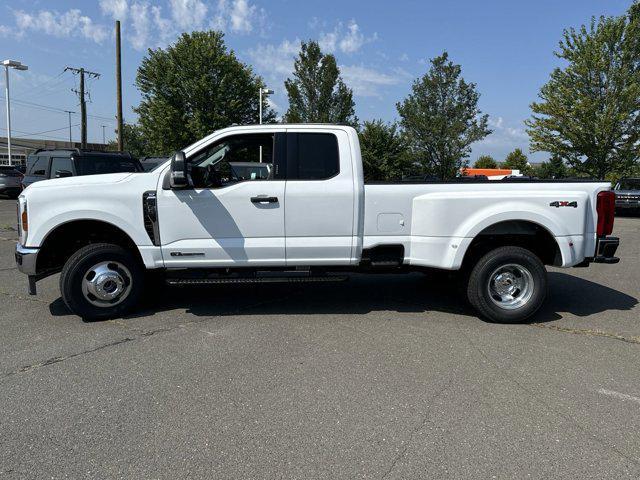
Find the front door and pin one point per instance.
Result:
(234, 214)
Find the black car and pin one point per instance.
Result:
(149, 163)
(46, 164)
(627, 192)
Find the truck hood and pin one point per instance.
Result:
(102, 179)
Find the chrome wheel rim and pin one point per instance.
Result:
(107, 284)
(510, 286)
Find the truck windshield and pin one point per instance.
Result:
(95, 165)
(629, 184)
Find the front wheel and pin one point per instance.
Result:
(101, 281)
(508, 285)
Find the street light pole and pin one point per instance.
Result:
(70, 139)
(18, 66)
(6, 96)
(261, 92)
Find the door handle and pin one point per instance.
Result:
(264, 199)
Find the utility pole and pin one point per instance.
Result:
(70, 139)
(119, 90)
(83, 103)
(103, 142)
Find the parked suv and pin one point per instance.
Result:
(46, 164)
(10, 179)
(627, 194)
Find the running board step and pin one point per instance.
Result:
(215, 281)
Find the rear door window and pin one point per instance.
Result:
(312, 156)
(61, 164)
(39, 167)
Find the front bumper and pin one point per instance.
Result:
(26, 259)
(606, 250)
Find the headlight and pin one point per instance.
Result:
(23, 220)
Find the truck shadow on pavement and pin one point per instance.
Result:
(362, 294)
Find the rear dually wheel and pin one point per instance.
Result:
(508, 285)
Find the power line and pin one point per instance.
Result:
(40, 106)
(28, 134)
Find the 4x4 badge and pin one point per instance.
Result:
(558, 204)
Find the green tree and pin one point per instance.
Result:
(485, 161)
(554, 168)
(384, 152)
(192, 88)
(588, 112)
(316, 92)
(517, 160)
(133, 140)
(441, 119)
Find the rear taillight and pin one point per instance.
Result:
(605, 206)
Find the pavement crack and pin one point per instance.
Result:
(61, 358)
(589, 332)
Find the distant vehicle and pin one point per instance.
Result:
(48, 164)
(627, 192)
(149, 163)
(10, 181)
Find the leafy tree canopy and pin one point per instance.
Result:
(554, 168)
(517, 160)
(485, 161)
(589, 111)
(384, 152)
(192, 88)
(441, 119)
(316, 92)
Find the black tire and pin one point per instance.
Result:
(79, 267)
(508, 266)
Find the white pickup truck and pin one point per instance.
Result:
(289, 203)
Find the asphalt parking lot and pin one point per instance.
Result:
(377, 377)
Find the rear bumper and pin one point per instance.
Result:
(26, 259)
(606, 250)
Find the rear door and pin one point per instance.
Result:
(37, 169)
(319, 198)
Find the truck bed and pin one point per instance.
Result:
(436, 220)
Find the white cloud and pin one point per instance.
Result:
(349, 41)
(367, 82)
(4, 31)
(275, 61)
(68, 24)
(353, 40)
(328, 41)
(188, 14)
(504, 136)
(141, 24)
(238, 16)
(118, 9)
(404, 57)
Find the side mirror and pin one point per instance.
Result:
(63, 174)
(179, 177)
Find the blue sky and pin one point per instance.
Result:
(505, 47)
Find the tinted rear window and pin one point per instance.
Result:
(317, 156)
(95, 165)
(38, 166)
